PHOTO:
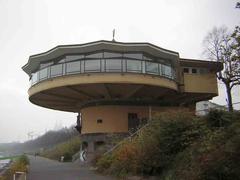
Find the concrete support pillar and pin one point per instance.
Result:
(91, 147)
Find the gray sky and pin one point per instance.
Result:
(29, 27)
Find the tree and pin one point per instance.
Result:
(222, 46)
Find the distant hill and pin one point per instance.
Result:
(46, 140)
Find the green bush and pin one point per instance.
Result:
(218, 118)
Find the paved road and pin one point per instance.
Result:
(45, 169)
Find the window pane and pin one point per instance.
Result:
(134, 66)
(46, 64)
(96, 55)
(56, 70)
(152, 68)
(112, 54)
(73, 67)
(113, 65)
(194, 71)
(133, 55)
(61, 60)
(185, 70)
(102, 65)
(93, 65)
(74, 57)
(43, 74)
(34, 78)
(167, 71)
(147, 58)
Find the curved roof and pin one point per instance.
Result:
(35, 60)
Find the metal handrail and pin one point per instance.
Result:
(141, 68)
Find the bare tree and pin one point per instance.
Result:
(222, 46)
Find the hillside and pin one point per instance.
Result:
(44, 141)
(178, 145)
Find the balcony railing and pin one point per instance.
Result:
(103, 66)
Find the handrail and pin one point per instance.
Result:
(103, 66)
(127, 138)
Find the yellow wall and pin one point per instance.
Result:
(200, 83)
(115, 118)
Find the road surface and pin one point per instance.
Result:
(44, 169)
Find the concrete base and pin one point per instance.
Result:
(92, 143)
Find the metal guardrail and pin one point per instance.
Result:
(126, 139)
(103, 66)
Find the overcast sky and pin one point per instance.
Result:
(30, 27)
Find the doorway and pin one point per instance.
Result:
(133, 122)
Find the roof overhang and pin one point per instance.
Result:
(212, 65)
(35, 60)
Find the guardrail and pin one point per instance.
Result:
(103, 66)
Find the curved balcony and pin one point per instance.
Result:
(103, 66)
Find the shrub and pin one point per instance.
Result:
(154, 147)
(181, 146)
(19, 164)
(66, 149)
(105, 162)
(218, 118)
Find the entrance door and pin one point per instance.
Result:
(133, 122)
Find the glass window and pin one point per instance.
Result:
(61, 60)
(102, 65)
(56, 70)
(93, 65)
(194, 71)
(166, 71)
(185, 70)
(133, 55)
(112, 55)
(99, 121)
(113, 65)
(134, 66)
(43, 74)
(147, 58)
(46, 64)
(152, 68)
(96, 55)
(82, 65)
(34, 78)
(74, 57)
(73, 67)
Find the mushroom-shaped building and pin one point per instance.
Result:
(115, 86)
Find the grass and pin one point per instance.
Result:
(66, 149)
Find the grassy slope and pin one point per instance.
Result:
(180, 146)
(66, 149)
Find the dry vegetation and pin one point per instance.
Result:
(180, 146)
(19, 164)
(66, 149)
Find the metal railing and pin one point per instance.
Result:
(103, 66)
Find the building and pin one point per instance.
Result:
(203, 107)
(116, 86)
